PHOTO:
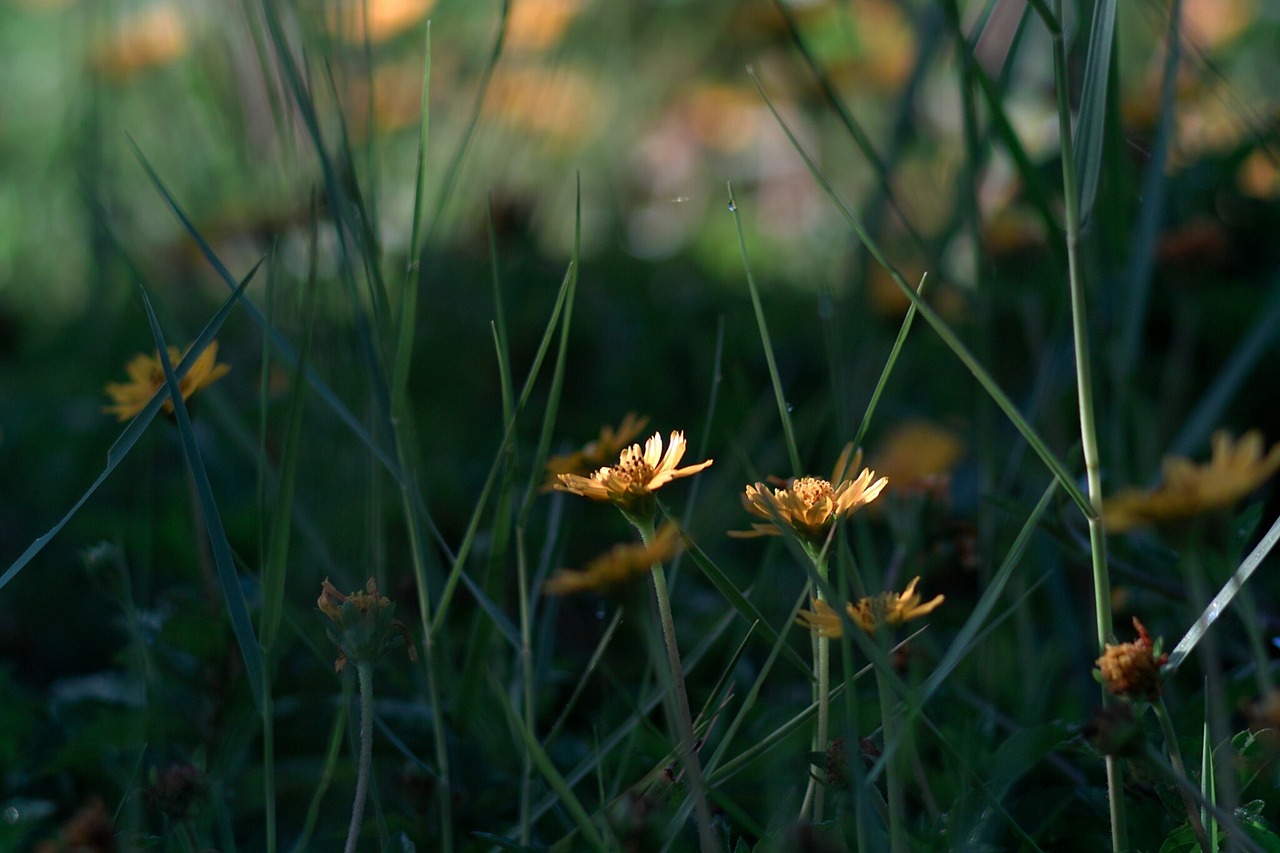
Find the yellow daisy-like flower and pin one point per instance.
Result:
(811, 505)
(621, 564)
(146, 377)
(1235, 470)
(595, 453)
(888, 608)
(918, 456)
(639, 473)
(1132, 669)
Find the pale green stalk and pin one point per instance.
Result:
(816, 793)
(687, 748)
(892, 778)
(1088, 433)
(364, 675)
(1175, 758)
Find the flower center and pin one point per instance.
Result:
(811, 491)
(633, 469)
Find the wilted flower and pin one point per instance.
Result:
(621, 564)
(888, 609)
(595, 453)
(1132, 669)
(173, 789)
(1235, 470)
(146, 377)
(810, 506)
(361, 624)
(639, 473)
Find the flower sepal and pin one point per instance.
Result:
(362, 625)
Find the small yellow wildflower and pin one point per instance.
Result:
(811, 505)
(595, 453)
(1132, 669)
(621, 564)
(146, 377)
(639, 473)
(918, 457)
(1235, 470)
(888, 609)
(361, 623)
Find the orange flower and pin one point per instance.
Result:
(1235, 470)
(810, 506)
(918, 456)
(621, 564)
(146, 377)
(888, 608)
(595, 453)
(1132, 669)
(639, 473)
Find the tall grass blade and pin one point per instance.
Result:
(888, 366)
(1091, 125)
(784, 408)
(232, 593)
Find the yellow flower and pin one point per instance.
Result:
(811, 505)
(639, 473)
(917, 457)
(1235, 470)
(1132, 669)
(146, 377)
(621, 564)
(595, 453)
(888, 608)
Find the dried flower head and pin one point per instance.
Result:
(174, 788)
(810, 506)
(1235, 469)
(361, 624)
(146, 377)
(596, 453)
(1132, 669)
(889, 609)
(639, 473)
(621, 564)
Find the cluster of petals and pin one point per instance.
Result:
(811, 505)
(619, 565)
(639, 472)
(887, 609)
(1235, 469)
(595, 453)
(1132, 669)
(146, 377)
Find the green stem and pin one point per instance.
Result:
(364, 674)
(526, 674)
(687, 748)
(1088, 432)
(822, 667)
(892, 778)
(268, 762)
(1175, 758)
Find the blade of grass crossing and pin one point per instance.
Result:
(888, 366)
(121, 447)
(939, 325)
(784, 408)
(232, 593)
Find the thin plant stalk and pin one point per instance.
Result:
(892, 778)
(1175, 759)
(364, 676)
(816, 793)
(1088, 432)
(688, 747)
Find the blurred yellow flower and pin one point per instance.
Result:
(810, 506)
(638, 474)
(918, 456)
(379, 20)
(563, 105)
(888, 609)
(156, 35)
(1235, 470)
(535, 25)
(621, 564)
(146, 377)
(595, 453)
(1132, 669)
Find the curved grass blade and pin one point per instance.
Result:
(784, 413)
(232, 593)
(129, 437)
(888, 366)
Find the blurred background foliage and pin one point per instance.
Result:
(648, 108)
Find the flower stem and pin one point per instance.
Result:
(892, 778)
(687, 749)
(364, 675)
(1084, 389)
(1175, 758)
